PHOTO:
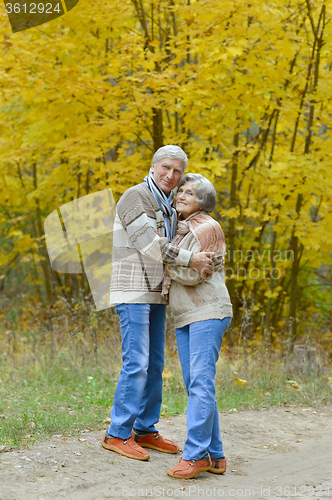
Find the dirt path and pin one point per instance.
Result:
(273, 453)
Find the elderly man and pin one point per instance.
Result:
(145, 224)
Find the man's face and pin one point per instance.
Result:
(167, 173)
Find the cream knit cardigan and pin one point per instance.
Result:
(192, 298)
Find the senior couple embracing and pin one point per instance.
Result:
(192, 248)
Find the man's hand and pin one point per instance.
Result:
(202, 263)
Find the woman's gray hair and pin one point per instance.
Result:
(170, 151)
(205, 191)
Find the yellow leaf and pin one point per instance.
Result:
(167, 374)
(240, 382)
(235, 51)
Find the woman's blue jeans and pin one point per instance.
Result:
(137, 399)
(198, 346)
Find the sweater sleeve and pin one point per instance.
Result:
(135, 214)
(186, 275)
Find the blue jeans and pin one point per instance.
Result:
(137, 399)
(198, 346)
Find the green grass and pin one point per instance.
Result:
(42, 396)
(42, 399)
(267, 384)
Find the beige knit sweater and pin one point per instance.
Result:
(192, 298)
(140, 248)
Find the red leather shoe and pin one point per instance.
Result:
(218, 466)
(187, 469)
(126, 447)
(156, 442)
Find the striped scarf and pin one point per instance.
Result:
(165, 204)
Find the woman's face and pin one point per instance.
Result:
(186, 202)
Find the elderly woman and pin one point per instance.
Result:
(202, 311)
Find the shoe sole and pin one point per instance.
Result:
(152, 447)
(117, 450)
(204, 469)
(217, 471)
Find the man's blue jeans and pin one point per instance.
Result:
(199, 345)
(137, 399)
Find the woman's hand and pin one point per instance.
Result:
(202, 263)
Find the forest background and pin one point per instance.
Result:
(243, 87)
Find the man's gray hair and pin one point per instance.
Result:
(205, 191)
(170, 151)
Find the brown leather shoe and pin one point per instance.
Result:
(126, 447)
(187, 469)
(218, 466)
(156, 442)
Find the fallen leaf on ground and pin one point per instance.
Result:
(240, 382)
(167, 374)
(294, 384)
(82, 440)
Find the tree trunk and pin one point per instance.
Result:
(44, 262)
(294, 244)
(158, 138)
(231, 227)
